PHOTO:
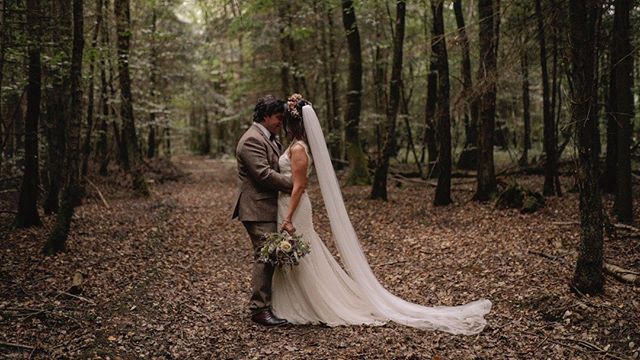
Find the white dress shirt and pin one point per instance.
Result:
(267, 133)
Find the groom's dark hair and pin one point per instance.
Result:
(267, 105)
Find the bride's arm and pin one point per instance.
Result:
(299, 164)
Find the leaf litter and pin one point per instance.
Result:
(169, 277)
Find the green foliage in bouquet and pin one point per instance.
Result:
(283, 249)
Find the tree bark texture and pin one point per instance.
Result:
(487, 77)
(71, 190)
(153, 81)
(28, 215)
(129, 137)
(622, 71)
(469, 156)
(379, 188)
(57, 107)
(430, 106)
(549, 140)
(90, 106)
(526, 114)
(358, 172)
(588, 277)
(442, 114)
(103, 141)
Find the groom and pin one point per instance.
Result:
(256, 204)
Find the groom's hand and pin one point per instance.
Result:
(288, 227)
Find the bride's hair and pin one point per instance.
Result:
(293, 122)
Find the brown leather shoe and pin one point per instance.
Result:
(266, 318)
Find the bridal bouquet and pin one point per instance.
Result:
(282, 249)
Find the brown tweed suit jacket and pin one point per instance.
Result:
(259, 180)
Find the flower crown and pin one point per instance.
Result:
(292, 106)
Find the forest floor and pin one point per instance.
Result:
(169, 277)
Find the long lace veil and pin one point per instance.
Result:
(464, 319)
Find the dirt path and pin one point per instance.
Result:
(168, 277)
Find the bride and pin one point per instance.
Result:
(318, 290)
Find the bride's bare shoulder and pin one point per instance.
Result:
(298, 150)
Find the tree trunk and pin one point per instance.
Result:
(283, 10)
(334, 89)
(526, 115)
(71, 190)
(469, 155)
(549, 141)
(28, 215)
(57, 108)
(588, 277)
(358, 173)
(442, 115)
(326, 82)
(153, 80)
(622, 58)
(206, 141)
(379, 188)
(151, 139)
(129, 137)
(379, 66)
(430, 107)
(103, 144)
(329, 63)
(92, 65)
(3, 42)
(601, 81)
(167, 139)
(487, 77)
(608, 178)
(19, 123)
(104, 104)
(555, 98)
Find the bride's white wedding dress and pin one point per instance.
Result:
(319, 291)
